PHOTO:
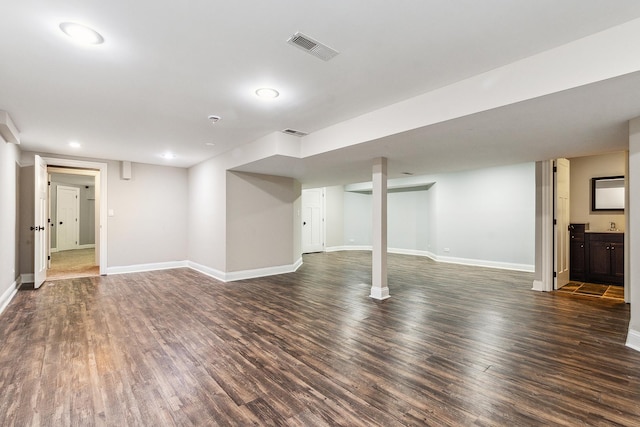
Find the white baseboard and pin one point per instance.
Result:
(348, 248)
(490, 264)
(8, 295)
(211, 272)
(87, 246)
(263, 272)
(27, 278)
(538, 285)
(451, 260)
(147, 267)
(245, 274)
(633, 340)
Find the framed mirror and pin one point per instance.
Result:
(607, 193)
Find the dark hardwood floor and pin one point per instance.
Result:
(454, 345)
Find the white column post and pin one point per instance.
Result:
(632, 236)
(379, 286)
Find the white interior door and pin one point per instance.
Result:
(41, 209)
(67, 213)
(562, 219)
(313, 220)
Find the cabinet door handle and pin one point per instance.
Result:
(582, 245)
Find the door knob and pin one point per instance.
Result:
(41, 228)
(304, 222)
(60, 222)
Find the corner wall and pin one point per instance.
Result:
(633, 234)
(9, 221)
(260, 215)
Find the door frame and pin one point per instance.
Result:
(101, 179)
(323, 214)
(76, 223)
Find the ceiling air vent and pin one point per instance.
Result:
(295, 132)
(312, 46)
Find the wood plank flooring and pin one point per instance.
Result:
(454, 345)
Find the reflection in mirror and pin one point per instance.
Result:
(607, 193)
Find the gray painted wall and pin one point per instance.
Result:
(260, 215)
(150, 214)
(9, 215)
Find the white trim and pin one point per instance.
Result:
(379, 293)
(8, 295)
(538, 285)
(414, 252)
(450, 260)
(208, 271)
(263, 272)
(147, 267)
(633, 340)
(547, 262)
(87, 246)
(27, 278)
(348, 248)
(104, 178)
(490, 264)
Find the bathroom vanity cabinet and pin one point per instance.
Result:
(596, 257)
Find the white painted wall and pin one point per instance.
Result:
(408, 220)
(334, 216)
(487, 214)
(9, 220)
(207, 203)
(633, 234)
(582, 170)
(358, 219)
(484, 215)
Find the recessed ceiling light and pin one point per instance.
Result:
(214, 119)
(168, 155)
(74, 144)
(267, 93)
(210, 144)
(81, 34)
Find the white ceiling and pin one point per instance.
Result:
(165, 66)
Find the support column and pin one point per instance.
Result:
(632, 236)
(379, 286)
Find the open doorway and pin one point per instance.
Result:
(72, 224)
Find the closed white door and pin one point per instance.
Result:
(313, 220)
(39, 228)
(562, 220)
(67, 212)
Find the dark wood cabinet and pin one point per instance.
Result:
(605, 253)
(577, 264)
(596, 257)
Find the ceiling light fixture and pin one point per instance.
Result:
(210, 144)
(267, 93)
(214, 119)
(168, 155)
(74, 144)
(81, 34)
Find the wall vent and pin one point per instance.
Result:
(295, 132)
(312, 46)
